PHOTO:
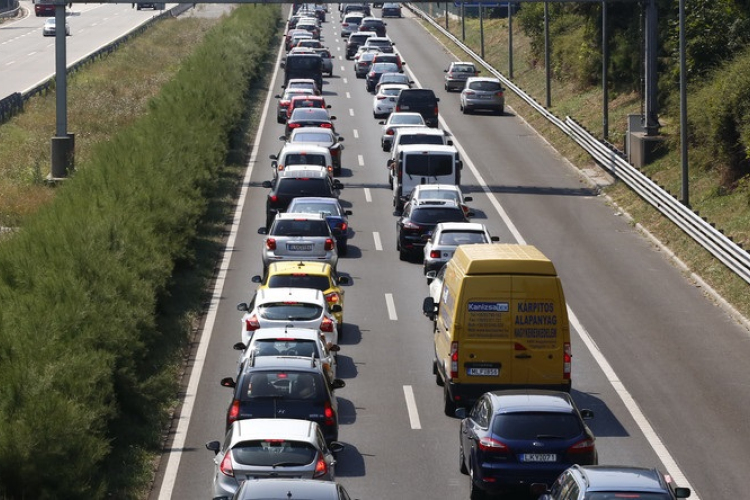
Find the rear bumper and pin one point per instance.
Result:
(466, 394)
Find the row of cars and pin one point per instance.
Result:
(282, 421)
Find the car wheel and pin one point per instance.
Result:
(390, 181)
(466, 110)
(279, 119)
(462, 461)
(449, 406)
(475, 493)
(402, 254)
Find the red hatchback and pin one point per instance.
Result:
(306, 101)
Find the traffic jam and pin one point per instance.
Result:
(499, 320)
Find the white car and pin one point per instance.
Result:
(281, 307)
(302, 154)
(440, 192)
(445, 239)
(289, 341)
(49, 27)
(384, 101)
(396, 121)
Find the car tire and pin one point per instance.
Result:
(280, 119)
(475, 493)
(462, 461)
(449, 406)
(390, 181)
(466, 110)
(438, 379)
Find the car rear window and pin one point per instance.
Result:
(305, 159)
(309, 62)
(285, 384)
(429, 165)
(272, 452)
(378, 43)
(324, 209)
(433, 215)
(304, 227)
(418, 96)
(406, 119)
(384, 67)
(535, 425)
(485, 86)
(312, 137)
(299, 281)
(464, 68)
(310, 114)
(285, 347)
(302, 187)
(626, 495)
(461, 237)
(289, 311)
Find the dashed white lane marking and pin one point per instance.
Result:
(361, 160)
(411, 407)
(378, 243)
(348, 95)
(391, 307)
(351, 111)
(368, 196)
(355, 133)
(345, 82)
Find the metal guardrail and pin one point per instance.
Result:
(13, 104)
(704, 233)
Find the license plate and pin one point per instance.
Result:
(299, 247)
(485, 96)
(483, 372)
(404, 107)
(447, 255)
(539, 457)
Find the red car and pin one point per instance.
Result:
(285, 99)
(306, 101)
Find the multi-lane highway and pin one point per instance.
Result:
(664, 369)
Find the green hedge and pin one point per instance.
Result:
(81, 283)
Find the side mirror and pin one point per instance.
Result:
(445, 71)
(336, 308)
(256, 279)
(428, 308)
(267, 184)
(587, 414)
(337, 383)
(348, 212)
(682, 492)
(277, 96)
(468, 198)
(437, 99)
(344, 280)
(334, 348)
(239, 346)
(333, 118)
(449, 142)
(281, 138)
(494, 239)
(336, 447)
(262, 230)
(214, 446)
(460, 164)
(243, 307)
(337, 184)
(460, 412)
(328, 106)
(340, 139)
(274, 157)
(381, 122)
(228, 382)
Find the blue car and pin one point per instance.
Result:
(334, 214)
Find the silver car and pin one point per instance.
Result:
(483, 93)
(384, 100)
(328, 59)
(299, 237)
(396, 121)
(445, 239)
(271, 448)
(457, 74)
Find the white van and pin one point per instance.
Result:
(413, 135)
(423, 164)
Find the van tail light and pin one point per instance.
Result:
(226, 465)
(454, 360)
(434, 254)
(326, 325)
(329, 244)
(436, 110)
(234, 412)
(583, 446)
(333, 298)
(328, 414)
(488, 444)
(252, 324)
(567, 357)
(321, 467)
(271, 243)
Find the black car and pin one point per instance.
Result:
(373, 24)
(416, 223)
(376, 71)
(613, 481)
(422, 101)
(515, 438)
(309, 117)
(266, 389)
(312, 489)
(391, 10)
(304, 65)
(354, 42)
(293, 183)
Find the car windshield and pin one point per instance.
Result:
(462, 237)
(302, 187)
(289, 311)
(299, 281)
(429, 165)
(433, 215)
(274, 452)
(285, 347)
(485, 86)
(310, 114)
(302, 227)
(326, 209)
(536, 426)
(406, 119)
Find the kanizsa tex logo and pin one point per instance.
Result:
(497, 307)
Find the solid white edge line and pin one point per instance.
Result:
(640, 419)
(391, 307)
(411, 407)
(378, 243)
(174, 454)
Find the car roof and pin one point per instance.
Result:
(304, 147)
(532, 400)
(299, 215)
(267, 363)
(315, 199)
(439, 187)
(435, 202)
(483, 79)
(622, 478)
(312, 489)
(286, 332)
(309, 267)
(461, 226)
(272, 428)
(289, 293)
(303, 171)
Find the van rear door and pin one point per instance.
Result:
(540, 329)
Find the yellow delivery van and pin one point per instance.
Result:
(500, 322)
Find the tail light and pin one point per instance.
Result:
(567, 357)
(436, 110)
(326, 125)
(335, 152)
(273, 198)
(499, 94)
(454, 360)
(280, 167)
(326, 325)
(292, 125)
(390, 131)
(330, 168)
(252, 324)
(434, 254)
(583, 446)
(271, 244)
(488, 444)
(329, 414)
(411, 226)
(321, 467)
(234, 412)
(226, 465)
(381, 97)
(398, 108)
(372, 74)
(344, 25)
(333, 298)
(342, 226)
(469, 92)
(330, 245)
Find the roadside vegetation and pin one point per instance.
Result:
(103, 278)
(718, 55)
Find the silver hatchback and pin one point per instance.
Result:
(483, 93)
(298, 236)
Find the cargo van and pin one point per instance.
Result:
(423, 164)
(499, 322)
(304, 65)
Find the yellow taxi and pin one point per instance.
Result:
(302, 274)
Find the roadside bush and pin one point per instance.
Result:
(81, 393)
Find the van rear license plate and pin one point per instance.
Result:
(483, 372)
(539, 457)
(299, 247)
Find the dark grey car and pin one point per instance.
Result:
(283, 489)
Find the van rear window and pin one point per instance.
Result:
(421, 139)
(429, 165)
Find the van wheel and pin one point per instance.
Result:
(438, 379)
(449, 406)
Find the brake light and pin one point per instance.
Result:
(252, 324)
(389, 131)
(333, 298)
(583, 446)
(326, 325)
(499, 94)
(234, 412)
(469, 92)
(330, 168)
(454, 360)
(567, 357)
(280, 167)
(335, 152)
(330, 416)
(329, 244)
(293, 125)
(273, 198)
(436, 110)
(411, 226)
(491, 445)
(271, 244)
(434, 254)
(344, 25)
(326, 125)
(519, 347)
(380, 97)
(226, 465)
(398, 108)
(321, 467)
(372, 74)
(342, 226)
